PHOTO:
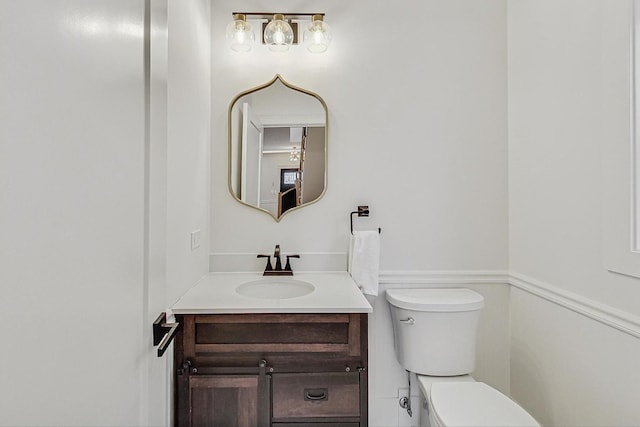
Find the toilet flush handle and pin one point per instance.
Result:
(408, 321)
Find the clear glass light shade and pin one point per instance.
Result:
(317, 35)
(278, 34)
(240, 36)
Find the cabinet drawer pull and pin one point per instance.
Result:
(316, 394)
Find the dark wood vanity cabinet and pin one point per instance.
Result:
(286, 370)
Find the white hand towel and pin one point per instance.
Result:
(364, 260)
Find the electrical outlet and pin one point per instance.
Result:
(195, 239)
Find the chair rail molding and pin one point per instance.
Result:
(443, 277)
(605, 314)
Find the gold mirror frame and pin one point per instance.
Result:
(230, 143)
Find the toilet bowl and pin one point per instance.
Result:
(434, 337)
(461, 401)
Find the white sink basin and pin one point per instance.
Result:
(275, 288)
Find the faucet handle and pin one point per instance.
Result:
(287, 266)
(268, 266)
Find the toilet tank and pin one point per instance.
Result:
(435, 329)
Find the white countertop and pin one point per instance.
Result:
(335, 292)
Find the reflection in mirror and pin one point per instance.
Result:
(277, 147)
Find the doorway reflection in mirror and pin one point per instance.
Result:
(277, 147)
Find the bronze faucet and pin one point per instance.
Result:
(278, 270)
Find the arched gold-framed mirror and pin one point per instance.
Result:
(278, 137)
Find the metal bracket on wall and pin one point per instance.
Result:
(362, 211)
(163, 333)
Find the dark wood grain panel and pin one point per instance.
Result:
(311, 424)
(222, 401)
(273, 318)
(285, 332)
(188, 331)
(276, 348)
(354, 335)
(291, 391)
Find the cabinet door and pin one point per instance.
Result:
(225, 401)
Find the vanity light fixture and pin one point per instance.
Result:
(317, 35)
(278, 34)
(279, 31)
(240, 36)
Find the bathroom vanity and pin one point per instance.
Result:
(288, 352)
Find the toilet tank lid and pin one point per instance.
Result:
(437, 300)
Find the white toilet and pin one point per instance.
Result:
(435, 337)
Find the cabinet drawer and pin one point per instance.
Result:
(265, 333)
(316, 425)
(315, 395)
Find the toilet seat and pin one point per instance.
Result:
(475, 404)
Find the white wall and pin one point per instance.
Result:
(189, 136)
(96, 208)
(87, 243)
(417, 131)
(568, 70)
(72, 168)
(180, 87)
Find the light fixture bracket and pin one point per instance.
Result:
(287, 16)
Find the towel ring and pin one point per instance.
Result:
(362, 211)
